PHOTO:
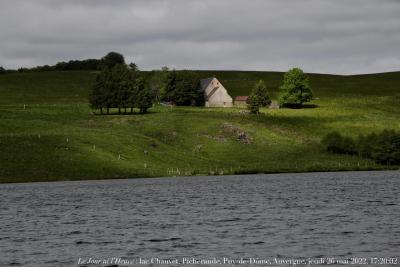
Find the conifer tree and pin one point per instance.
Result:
(261, 91)
(253, 103)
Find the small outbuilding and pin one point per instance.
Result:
(215, 94)
(241, 100)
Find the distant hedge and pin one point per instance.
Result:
(86, 64)
(384, 147)
(111, 58)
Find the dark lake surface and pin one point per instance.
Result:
(344, 215)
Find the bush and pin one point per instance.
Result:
(384, 148)
(334, 142)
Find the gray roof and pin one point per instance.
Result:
(205, 82)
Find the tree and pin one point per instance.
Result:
(157, 82)
(86, 64)
(295, 89)
(112, 59)
(114, 88)
(133, 66)
(261, 91)
(254, 103)
(2, 70)
(170, 85)
(99, 93)
(182, 88)
(123, 84)
(144, 98)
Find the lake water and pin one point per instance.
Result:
(297, 216)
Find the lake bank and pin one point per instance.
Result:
(221, 176)
(48, 132)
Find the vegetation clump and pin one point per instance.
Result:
(144, 99)
(119, 86)
(124, 86)
(384, 147)
(112, 59)
(295, 89)
(258, 97)
(182, 88)
(260, 89)
(157, 81)
(86, 64)
(253, 103)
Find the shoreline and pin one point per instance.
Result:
(397, 169)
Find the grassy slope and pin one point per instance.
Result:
(56, 137)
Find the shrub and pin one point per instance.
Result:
(334, 142)
(384, 148)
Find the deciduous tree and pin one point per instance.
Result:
(295, 89)
(112, 59)
(145, 97)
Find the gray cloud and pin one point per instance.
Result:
(330, 36)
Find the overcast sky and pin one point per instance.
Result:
(327, 36)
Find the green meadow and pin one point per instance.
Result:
(48, 132)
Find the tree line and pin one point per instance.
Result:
(86, 64)
(123, 86)
(119, 85)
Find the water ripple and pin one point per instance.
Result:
(279, 215)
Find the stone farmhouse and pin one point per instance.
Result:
(215, 94)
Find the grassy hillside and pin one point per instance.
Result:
(56, 136)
